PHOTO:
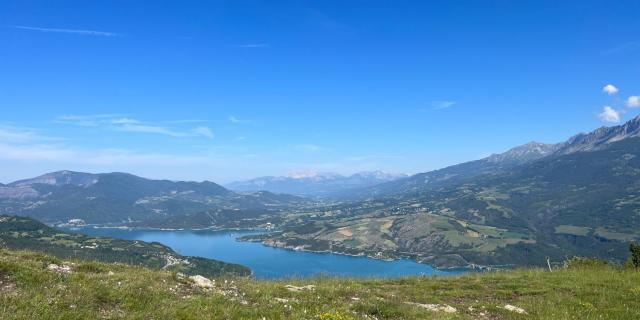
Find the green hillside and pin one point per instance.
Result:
(115, 198)
(21, 233)
(583, 203)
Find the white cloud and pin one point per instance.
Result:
(15, 135)
(125, 124)
(437, 105)
(70, 31)
(23, 152)
(204, 131)
(24, 144)
(609, 114)
(125, 121)
(101, 157)
(141, 128)
(34, 152)
(610, 89)
(633, 102)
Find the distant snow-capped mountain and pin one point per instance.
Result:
(314, 184)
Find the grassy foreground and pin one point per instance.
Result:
(30, 289)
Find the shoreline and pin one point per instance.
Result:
(467, 268)
(405, 256)
(98, 226)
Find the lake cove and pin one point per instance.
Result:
(267, 262)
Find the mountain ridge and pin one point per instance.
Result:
(528, 152)
(578, 204)
(313, 184)
(118, 197)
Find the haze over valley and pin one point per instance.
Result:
(320, 160)
(514, 208)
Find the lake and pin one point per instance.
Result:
(267, 262)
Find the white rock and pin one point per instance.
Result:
(59, 269)
(299, 289)
(515, 309)
(202, 282)
(435, 307)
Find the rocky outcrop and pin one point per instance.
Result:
(202, 282)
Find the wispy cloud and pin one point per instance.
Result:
(623, 48)
(24, 152)
(235, 120)
(438, 105)
(11, 134)
(86, 120)
(142, 128)
(185, 121)
(326, 22)
(251, 45)
(125, 124)
(70, 31)
(102, 157)
(309, 148)
(26, 144)
(203, 131)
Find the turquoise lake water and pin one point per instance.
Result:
(267, 262)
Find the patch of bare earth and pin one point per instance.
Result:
(6, 285)
(345, 231)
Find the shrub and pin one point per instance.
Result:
(635, 254)
(628, 264)
(91, 267)
(585, 262)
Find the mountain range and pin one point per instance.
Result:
(314, 185)
(578, 197)
(598, 139)
(120, 197)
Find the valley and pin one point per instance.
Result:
(518, 208)
(319, 160)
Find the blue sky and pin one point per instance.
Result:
(226, 90)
